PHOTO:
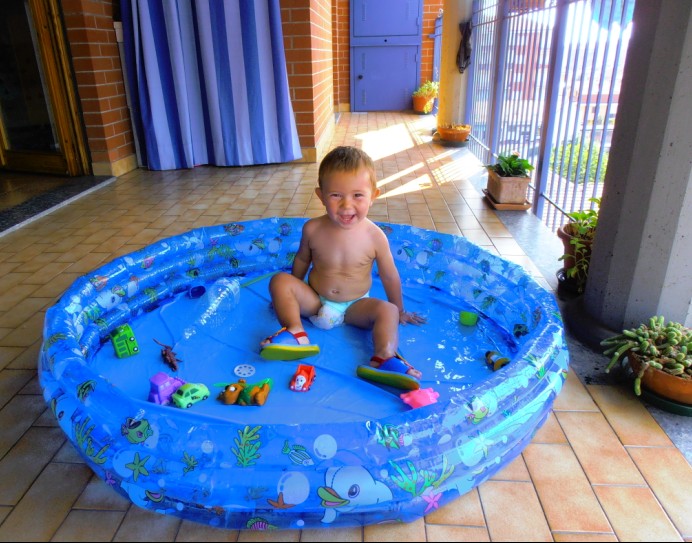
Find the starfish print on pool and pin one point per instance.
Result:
(137, 466)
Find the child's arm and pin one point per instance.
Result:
(303, 258)
(391, 281)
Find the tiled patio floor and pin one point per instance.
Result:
(600, 469)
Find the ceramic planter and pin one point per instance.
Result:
(454, 134)
(662, 383)
(423, 104)
(507, 190)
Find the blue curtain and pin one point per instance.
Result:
(208, 82)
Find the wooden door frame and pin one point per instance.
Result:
(73, 157)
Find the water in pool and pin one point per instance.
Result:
(450, 355)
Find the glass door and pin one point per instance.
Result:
(40, 127)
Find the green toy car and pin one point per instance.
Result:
(190, 393)
(124, 341)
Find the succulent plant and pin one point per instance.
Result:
(667, 347)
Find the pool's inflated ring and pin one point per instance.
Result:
(302, 460)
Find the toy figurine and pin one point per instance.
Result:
(169, 357)
(242, 393)
(303, 378)
(420, 397)
(495, 360)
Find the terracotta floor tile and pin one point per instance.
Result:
(52, 494)
(565, 493)
(318, 535)
(288, 536)
(574, 396)
(15, 418)
(514, 471)
(631, 421)
(466, 510)
(89, 526)
(456, 533)
(550, 432)
(624, 506)
(579, 537)
(195, 532)
(400, 531)
(513, 512)
(601, 455)
(23, 311)
(28, 358)
(99, 496)
(143, 525)
(20, 467)
(12, 381)
(670, 477)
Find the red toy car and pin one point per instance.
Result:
(302, 379)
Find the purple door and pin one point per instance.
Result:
(385, 53)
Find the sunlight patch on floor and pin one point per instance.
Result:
(386, 141)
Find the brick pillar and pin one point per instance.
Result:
(307, 27)
(96, 63)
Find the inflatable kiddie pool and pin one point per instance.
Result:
(343, 452)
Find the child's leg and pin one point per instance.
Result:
(383, 318)
(292, 298)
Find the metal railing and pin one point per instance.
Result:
(544, 82)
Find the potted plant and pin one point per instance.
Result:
(424, 97)
(454, 132)
(508, 179)
(659, 354)
(577, 236)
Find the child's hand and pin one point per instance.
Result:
(411, 318)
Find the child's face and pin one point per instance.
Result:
(347, 196)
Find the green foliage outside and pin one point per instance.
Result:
(574, 155)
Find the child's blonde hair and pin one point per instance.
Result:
(346, 159)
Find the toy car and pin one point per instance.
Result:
(303, 378)
(190, 393)
(124, 341)
(162, 386)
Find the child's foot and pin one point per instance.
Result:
(394, 371)
(286, 345)
(377, 362)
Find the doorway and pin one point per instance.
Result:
(40, 124)
(385, 53)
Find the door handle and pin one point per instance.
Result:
(360, 77)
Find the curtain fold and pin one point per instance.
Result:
(208, 82)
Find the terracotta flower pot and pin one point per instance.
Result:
(565, 236)
(423, 104)
(454, 134)
(507, 190)
(662, 383)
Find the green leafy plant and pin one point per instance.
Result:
(429, 89)
(667, 347)
(511, 166)
(573, 161)
(427, 92)
(580, 230)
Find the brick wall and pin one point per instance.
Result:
(307, 27)
(430, 10)
(96, 63)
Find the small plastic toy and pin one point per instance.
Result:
(162, 386)
(124, 341)
(303, 378)
(495, 360)
(189, 394)
(468, 318)
(420, 397)
(169, 357)
(242, 393)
